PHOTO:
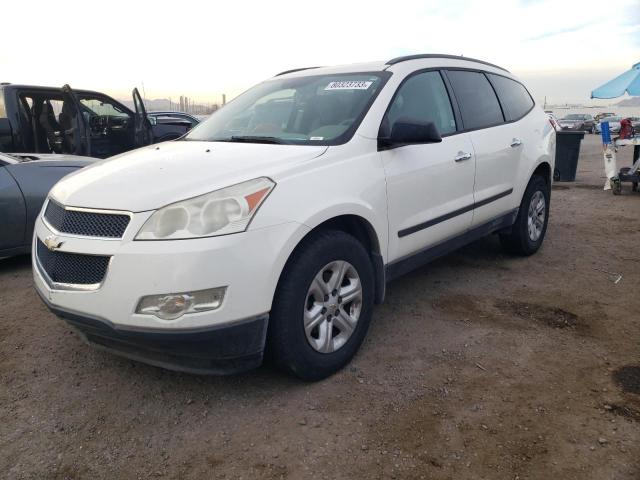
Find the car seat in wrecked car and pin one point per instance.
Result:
(51, 128)
(66, 118)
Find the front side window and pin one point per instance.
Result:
(477, 101)
(514, 97)
(422, 97)
(308, 110)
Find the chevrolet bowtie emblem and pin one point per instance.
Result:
(52, 242)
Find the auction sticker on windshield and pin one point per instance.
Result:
(349, 85)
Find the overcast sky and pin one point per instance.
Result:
(561, 48)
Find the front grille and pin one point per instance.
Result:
(74, 268)
(91, 224)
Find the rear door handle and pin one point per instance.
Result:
(462, 156)
(516, 142)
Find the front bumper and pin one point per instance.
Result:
(248, 264)
(223, 350)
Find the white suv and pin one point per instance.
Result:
(275, 224)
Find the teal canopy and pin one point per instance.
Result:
(628, 82)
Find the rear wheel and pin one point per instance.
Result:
(528, 231)
(322, 307)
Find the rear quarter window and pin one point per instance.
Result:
(514, 97)
(476, 99)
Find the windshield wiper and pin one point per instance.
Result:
(254, 139)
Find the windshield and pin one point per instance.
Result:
(611, 119)
(309, 110)
(98, 107)
(575, 116)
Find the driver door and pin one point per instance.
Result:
(430, 186)
(77, 136)
(142, 131)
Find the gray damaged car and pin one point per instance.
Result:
(25, 181)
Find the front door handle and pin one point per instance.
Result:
(516, 142)
(462, 156)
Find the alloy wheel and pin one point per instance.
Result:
(536, 216)
(333, 306)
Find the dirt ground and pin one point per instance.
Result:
(480, 365)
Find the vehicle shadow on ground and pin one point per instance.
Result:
(268, 378)
(12, 264)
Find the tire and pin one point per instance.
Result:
(309, 353)
(521, 240)
(616, 187)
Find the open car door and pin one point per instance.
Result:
(75, 127)
(143, 132)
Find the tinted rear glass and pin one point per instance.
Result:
(514, 97)
(477, 101)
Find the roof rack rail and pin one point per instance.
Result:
(294, 70)
(393, 61)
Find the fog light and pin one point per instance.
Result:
(173, 305)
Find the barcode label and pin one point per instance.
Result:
(349, 85)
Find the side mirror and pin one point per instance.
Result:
(406, 131)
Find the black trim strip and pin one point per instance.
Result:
(415, 260)
(486, 201)
(450, 215)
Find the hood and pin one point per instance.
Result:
(157, 175)
(52, 159)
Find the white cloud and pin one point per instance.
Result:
(205, 48)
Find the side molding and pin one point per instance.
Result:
(415, 260)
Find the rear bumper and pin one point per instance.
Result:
(209, 351)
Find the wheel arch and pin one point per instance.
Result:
(544, 170)
(363, 230)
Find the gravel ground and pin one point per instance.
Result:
(480, 365)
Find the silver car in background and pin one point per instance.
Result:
(614, 124)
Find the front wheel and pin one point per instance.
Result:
(528, 231)
(323, 306)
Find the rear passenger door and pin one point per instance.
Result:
(429, 187)
(496, 144)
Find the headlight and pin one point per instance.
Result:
(229, 210)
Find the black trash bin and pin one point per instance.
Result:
(567, 153)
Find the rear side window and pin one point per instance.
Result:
(3, 111)
(477, 101)
(514, 97)
(422, 97)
